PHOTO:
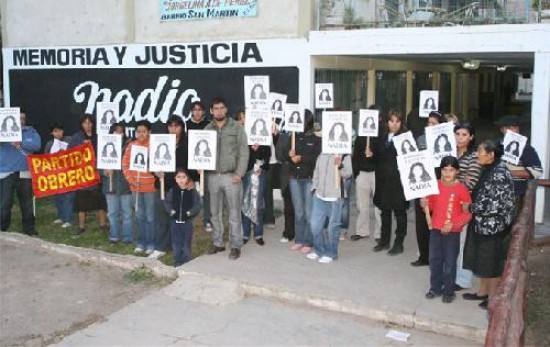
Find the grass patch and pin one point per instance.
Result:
(94, 237)
(140, 275)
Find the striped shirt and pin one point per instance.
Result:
(470, 170)
(142, 182)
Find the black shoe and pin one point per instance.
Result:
(484, 304)
(235, 253)
(431, 295)
(380, 247)
(79, 231)
(419, 262)
(245, 241)
(474, 296)
(457, 288)
(396, 249)
(377, 240)
(357, 237)
(260, 242)
(448, 298)
(215, 249)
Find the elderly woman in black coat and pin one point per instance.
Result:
(493, 209)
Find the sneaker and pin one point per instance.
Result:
(57, 221)
(312, 256)
(431, 295)
(208, 227)
(156, 254)
(215, 249)
(325, 260)
(66, 225)
(284, 240)
(296, 247)
(138, 250)
(261, 242)
(149, 251)
(235, 253)
(305, 250)
(448, 298)
(245, 241)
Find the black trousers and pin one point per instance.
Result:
(289, 232)
(400, 230)
(422, 233)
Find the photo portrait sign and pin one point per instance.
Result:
(202, 149)
(337, 131)
(257, 125)
(162, 152)
(417, 175)
(138, 158)
(513, 144)
(58, 146)
(107, 115)
(368, 123)
(109, 151)
(441, 141)
(294, 118)
(10, 124)
(256, 92)
(405, 143)
(324, 95)
(429, 101)
(192, 9)
(277, 108)
(63, 172)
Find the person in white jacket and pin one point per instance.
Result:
(328, 198)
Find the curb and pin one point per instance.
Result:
(130, 262)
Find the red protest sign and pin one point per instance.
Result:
(64, 171)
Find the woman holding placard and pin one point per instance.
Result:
(389, 196)
(88, 199)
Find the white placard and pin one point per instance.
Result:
(202, 149)
(107, 115)
(324, 95)
(417, 175)
(277, 108)
(294, 118)
(162, 153)
(337, 132)
(513, 144)
(109, 151)
(441, 141)
(58, 146)
(138, 158)
(257, 125)
(429, 101)
(405, 143)
(368, 123)
(256, 92)
(10, 125)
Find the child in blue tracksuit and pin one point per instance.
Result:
(182, 204)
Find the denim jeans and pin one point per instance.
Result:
(443, 252)
(64, 204)
(23, 188)
(119, 209)
(300, 189)
(182, 235)
(163, 234)
(247, 223)
(145, 218)
(326, 243)
(223, 190)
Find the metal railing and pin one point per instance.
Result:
(360, 14)
(507, 307)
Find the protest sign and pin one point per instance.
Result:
(417, 175)
(429, 101)
(441, 141)
(324, 95)
(368, 123)
(63, 172)
(10, 124)
(202, 150)
(294, 118)
(107, 115)
(257, 125)
(139, 158)
(337, 132)
(277, 109)
(162, 156)
(513, 144)
(109, 156)
(256, 91)
(405, 143)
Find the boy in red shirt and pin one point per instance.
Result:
(449, 214)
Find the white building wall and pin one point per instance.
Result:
(83, 22)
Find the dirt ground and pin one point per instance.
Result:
(538, 298)
(45, 296)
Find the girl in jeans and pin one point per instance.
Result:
(119, 197)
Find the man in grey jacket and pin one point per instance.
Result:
(231, 164)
